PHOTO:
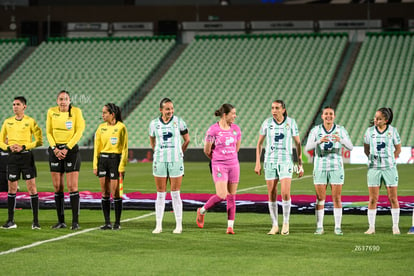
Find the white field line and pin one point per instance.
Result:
(293, 179)
(14, 250)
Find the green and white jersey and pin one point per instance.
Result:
(168, 139)
(328, 155)
(381, 147)
(278, 148)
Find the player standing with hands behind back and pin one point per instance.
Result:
(382, 145)
(109, 160)
(16, 137)
(64, 128)
(165, 134)
(279, 131)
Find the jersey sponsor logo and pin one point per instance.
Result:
(279, 137)
(328, 145)
(229, 140)
(55, 115)
(69, 125)
(114, 140)
(104, 129)
(10, 124)
(380, 146)
(166, 135)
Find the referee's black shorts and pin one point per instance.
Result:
(108, 165)
(21, 163)
(71, 163)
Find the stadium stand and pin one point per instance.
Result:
(381, 76)
(9, 49)
(94, 70)
(248, 71)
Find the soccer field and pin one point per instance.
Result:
(136, 251)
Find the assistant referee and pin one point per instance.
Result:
(16, 137)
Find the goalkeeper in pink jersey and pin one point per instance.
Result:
(222, 144)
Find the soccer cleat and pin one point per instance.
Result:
(106, 226)
(59, 225)
(9, 225)
(75, 226)
(36, 225)
(285, 229)
(411, 231)
(230, 231)
(396, 230)
(157, 230)
(319, 231)
(117, 226)
(274, 230)
(370, 231)
(178, 230)
(200, 219)
(338, 231)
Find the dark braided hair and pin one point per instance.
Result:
(114, 109)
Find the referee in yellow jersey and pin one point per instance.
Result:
(16, 137)
(109, 160)
(64, 128)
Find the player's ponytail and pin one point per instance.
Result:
(224, 109)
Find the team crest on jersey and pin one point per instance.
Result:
(114, 140)
(389, 134)
(234, 133)
(69, 124)
(175, 124)
(287, 126)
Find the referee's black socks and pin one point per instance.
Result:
(74, 202)
(60, 209)
(106, 209)
(34, 202)
(118, 210)
(11, 205)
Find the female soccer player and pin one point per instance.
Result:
(165, 134)
(16, 137)
(222, 144)
(327, 140)
(64, 128)
(278, 164)
(109, 160)
(382, 145)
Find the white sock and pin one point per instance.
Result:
(338, 217)
(203, 211)
(230, 223)
(286, 210)
(177, 207)
(395, 214)
(273, 212)
(319, 218)
(159, 208)
(371, 217)
(412, 223)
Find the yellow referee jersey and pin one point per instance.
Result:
(62, 129)
(21, 132)
(111, 139)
